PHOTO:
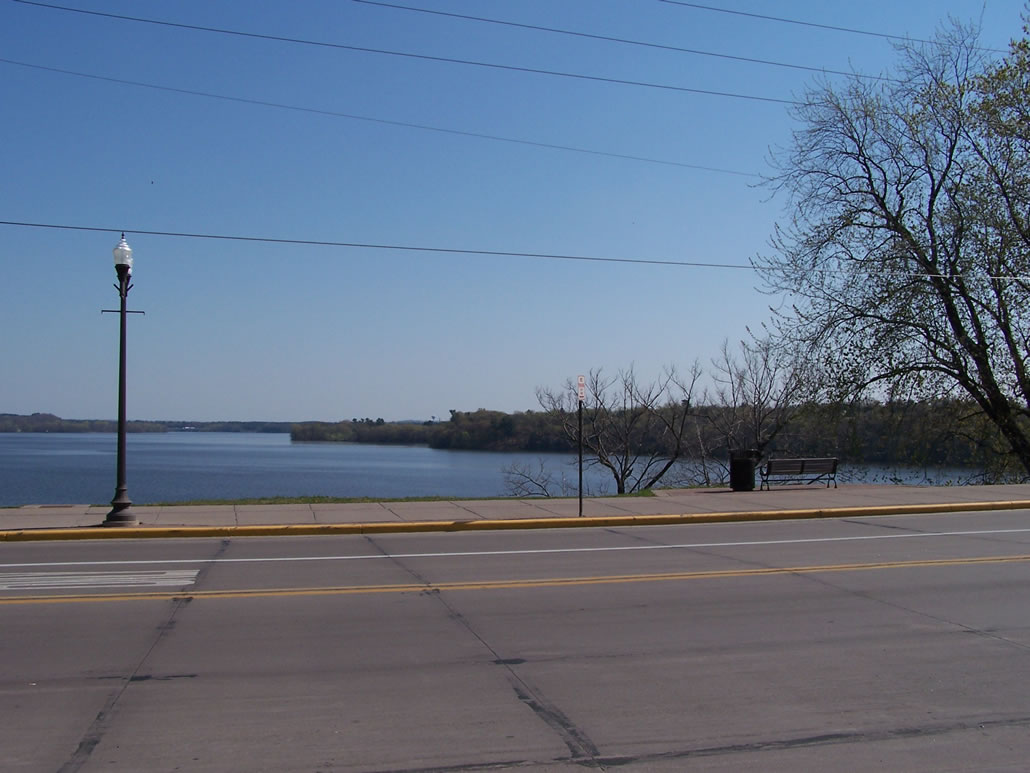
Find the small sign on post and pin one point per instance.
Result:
(581, 393)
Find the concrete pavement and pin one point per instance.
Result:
(668, 506)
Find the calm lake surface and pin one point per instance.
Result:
(57, 468)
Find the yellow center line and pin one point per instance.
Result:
(546, 582)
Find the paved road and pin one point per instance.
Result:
(841, 644)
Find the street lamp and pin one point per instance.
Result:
(121, 506)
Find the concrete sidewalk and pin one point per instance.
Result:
(668, 506)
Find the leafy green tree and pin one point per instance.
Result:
(907, 259)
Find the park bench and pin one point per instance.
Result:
(799, 471)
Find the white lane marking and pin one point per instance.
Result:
(525, 552)
(57, 580)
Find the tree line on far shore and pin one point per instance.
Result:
(48, 422)
(933, 434)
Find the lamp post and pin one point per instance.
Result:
(121, 506)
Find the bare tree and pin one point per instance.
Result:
(636, 431)
(757, 393)
(522, 479)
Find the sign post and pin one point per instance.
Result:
(581, 395)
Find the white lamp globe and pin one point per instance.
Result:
(123, 254)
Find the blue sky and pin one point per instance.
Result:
(250, 330)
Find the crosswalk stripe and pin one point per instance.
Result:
(134, 579)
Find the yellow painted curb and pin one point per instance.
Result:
(297, 530)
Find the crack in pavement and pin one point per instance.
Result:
(864, 595)
(754, 747)
(582, 749)
(825, 739)
(102, 722)
(869, 596)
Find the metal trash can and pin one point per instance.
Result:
(742, 469)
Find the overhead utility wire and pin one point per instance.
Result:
(626, 41)
(851, 30)
(455, 251)
(386, 121)
(400, 247)
(425, 57)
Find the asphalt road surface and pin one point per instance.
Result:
(891, 643)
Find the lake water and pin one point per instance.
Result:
(57, 468)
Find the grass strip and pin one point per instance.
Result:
(320, 500)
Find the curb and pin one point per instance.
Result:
(410, 527)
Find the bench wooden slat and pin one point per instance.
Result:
(821, 466)
(785, 467)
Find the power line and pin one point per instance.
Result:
(424, 57)
(456, 251)
(388, 122)
(626, 41)
(368, 246)
(853, 31)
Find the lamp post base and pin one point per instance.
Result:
(121, 513)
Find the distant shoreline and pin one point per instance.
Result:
(907, 434)
(48, 422)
